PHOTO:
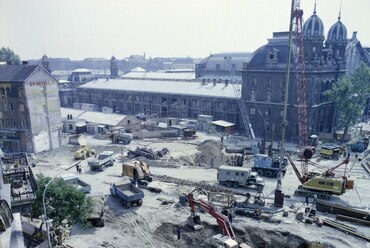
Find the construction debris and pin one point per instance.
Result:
(345, 228)
(338, 209)
(210, 154)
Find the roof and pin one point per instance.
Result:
(138, 69)
(164, 87)
(16, 73)
(223, 123)
(234, 168)
(225, 60)
(81, 70)
(93, 117)
(161, 75)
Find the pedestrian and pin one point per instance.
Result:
(306, 200)
(314, 200)
(230, 217)
(178, 232)
(77, 168)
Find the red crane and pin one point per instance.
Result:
(222, 220)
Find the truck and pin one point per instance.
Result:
(120, 136)
(268, 167)
(138, 170)
(96, 216)
(360, 146)
(77, 182)
(104, 159)
(128, 193)
(232, 176)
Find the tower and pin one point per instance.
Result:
(113, 67)
(45, 63)
(337, 40)
(313, 38)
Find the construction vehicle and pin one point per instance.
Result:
(119, 135)
(226, 240)
(96, 216)
(267, 166)
(138, 170)
(128, 193)
(233, 176)
(104, 159)
(360, 146)
(331, 151)
(323, 185)
(75, 181)
(84, 152)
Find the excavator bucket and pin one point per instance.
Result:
(195, 222)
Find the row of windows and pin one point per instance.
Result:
(10, 107)
(236, 173)
(13, 92)
(12, 123)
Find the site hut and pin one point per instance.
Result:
(30, 118)
(224, 127)
(165, 98)
(98, 122)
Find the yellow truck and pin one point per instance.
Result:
(84, 152)
(137, 170)
(331, 151)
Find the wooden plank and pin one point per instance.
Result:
(347, 218)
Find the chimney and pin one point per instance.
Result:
(354, 35)
(24, 62)
(8, 62)
(203, 81)
(226, 82)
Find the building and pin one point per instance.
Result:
(179, 99)
(222, 66)
(356, 54)
(79, 121)
(161, 75)
(29, 109)
(264, 79)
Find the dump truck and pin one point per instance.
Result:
(96, 216)
(232, 176)
(100, 161)
(128, 193)
(84, 152)
(268, 167)
(77, 183)
(138, 170)
(360, 146)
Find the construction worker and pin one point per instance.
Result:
(230, 217)
(77, 168)
(178, 229)
(306, 202)
(314, 200)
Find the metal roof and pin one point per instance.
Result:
(93, 117)
(16, 73)
(160, 75)
(164, 87)
(223, 123)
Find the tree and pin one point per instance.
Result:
(63, 201)
(6, 54)
(349, 95)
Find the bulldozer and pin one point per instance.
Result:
(84, 152)
(138, 170)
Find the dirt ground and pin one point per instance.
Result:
(154, 224)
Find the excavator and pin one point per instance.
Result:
(227, 240)
(322, 184)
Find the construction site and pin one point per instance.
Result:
(155, 180)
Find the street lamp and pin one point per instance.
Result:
(47, 222)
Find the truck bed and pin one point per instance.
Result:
(127, 192)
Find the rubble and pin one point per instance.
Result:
(210, 154)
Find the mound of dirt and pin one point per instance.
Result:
(210, 154)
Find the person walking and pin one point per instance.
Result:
(306, 200)
(77, 168)
(230, 217)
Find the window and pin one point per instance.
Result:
(330, 184)
(24, 123)
(21, 107)
(5, 107)
(14, 123)
(321, 183)
(164, 100)
(267, 111)
(2, 122)
(174, 101)
(10, 107)
(254, 82)
(237, 174)
(242, 174)
(2, 92)
(70, 127)
(228, 173)
(184, 102)
(253, 95)
(252, 111)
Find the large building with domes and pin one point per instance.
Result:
(264, 79)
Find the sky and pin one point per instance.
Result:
(159, 28)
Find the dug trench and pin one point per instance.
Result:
(254, 236)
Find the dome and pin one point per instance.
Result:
(337, 32)
(113, 59)
(44, 57)
(313, 27)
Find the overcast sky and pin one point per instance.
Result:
(102, 28)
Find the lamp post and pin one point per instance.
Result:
(47, 222)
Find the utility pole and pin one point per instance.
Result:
(279, 195)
